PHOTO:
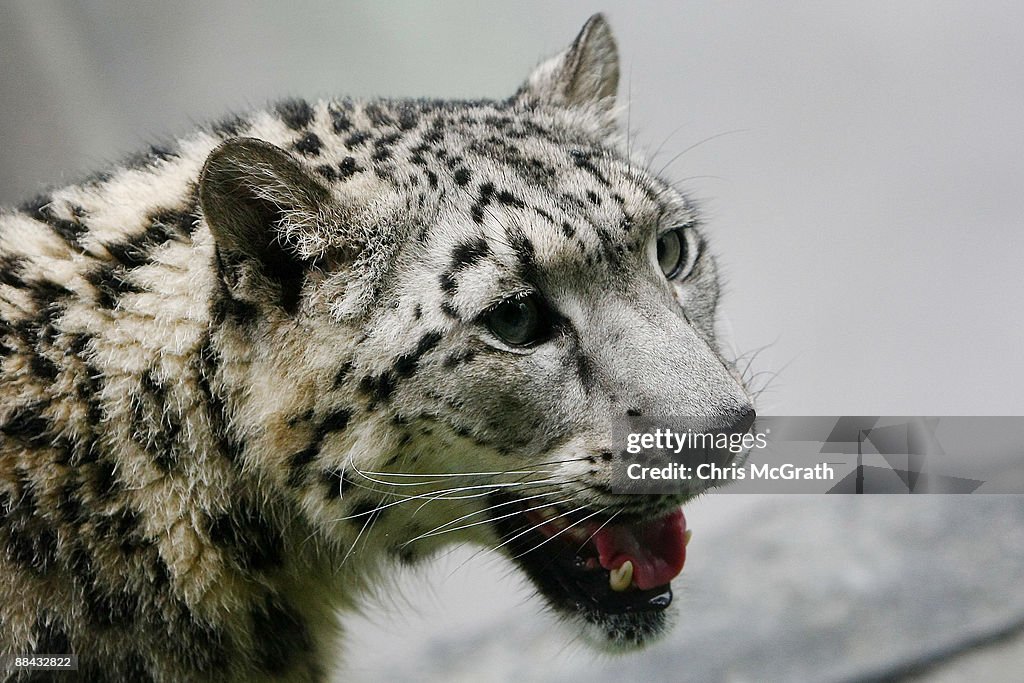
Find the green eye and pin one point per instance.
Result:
(674, 255)
(517, 322)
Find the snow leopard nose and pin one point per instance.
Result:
(738, 421)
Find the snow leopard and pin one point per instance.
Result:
(248, 376)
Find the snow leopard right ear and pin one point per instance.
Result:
(266, 216)
(586, 74)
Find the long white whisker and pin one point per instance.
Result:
(537, 526)
(562, 531)
(546, 494)
(455, 474)
(698, 144)
(598, 529)
(509, 540)
(485, 521)
(366, 524)
(438, 495)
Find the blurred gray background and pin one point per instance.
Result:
(861, 166)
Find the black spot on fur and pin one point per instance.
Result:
(302, 418)
(335, 421)
(197, 645)
(466, 254)
(406, 364)
(160, 153)
(342, 374)
(447, 282)
(280, 637)
(484, 198)
(228, 444)
(227, 308)
(107, 607)
(584, 369)
(366, 512)
(309, 144)
(327, 172)
(348, 167)
(166, 224)
(156, 425)
(462, 177)
(567, 229)
(70, 231)
(111, 283)
(407, 118)
(358, 138)
(229, 126)
(404, 554)
(523, 247)
(378, 116)
(104, 480)
(544, 214)
(298, 463)
(48, 297)
(336, 482)
(296, 113)
(9, 267)
(417, 312)
(27, 423)
(163, 226)
(121, 528)
(379, 388)
(69, 504)
(339, 120)
(458, 358)
(449, 310)
(582, 160)
(28, 542)
(508, 199)
(51, 636)
(43, 367)
(593, 198)
(248, 537)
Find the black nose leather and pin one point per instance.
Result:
(741, 421)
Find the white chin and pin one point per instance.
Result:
(622, 633)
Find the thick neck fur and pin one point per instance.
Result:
(157, 439)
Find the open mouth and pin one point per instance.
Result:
(587, 562)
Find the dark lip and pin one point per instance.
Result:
(559, 568)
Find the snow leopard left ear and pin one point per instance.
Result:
(266, 215)
(586, 74)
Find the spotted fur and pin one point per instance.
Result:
(244, 374)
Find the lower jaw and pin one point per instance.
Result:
(572, 585)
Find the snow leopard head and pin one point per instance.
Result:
(440, 310)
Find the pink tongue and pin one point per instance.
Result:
(657, 549)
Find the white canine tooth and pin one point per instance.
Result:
(620, 579)
(687, 535)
